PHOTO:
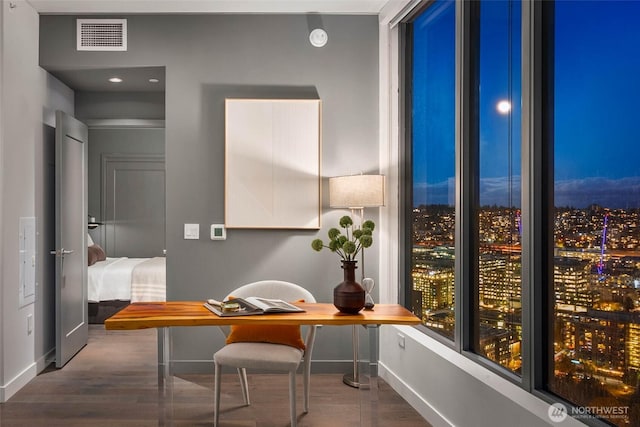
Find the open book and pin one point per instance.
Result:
(251, 305)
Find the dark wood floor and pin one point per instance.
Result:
(113, 382)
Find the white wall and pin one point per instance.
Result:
(20, 118)
(449, 389)
(26, 100)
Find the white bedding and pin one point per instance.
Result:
(128, 279)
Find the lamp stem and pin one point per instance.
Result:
(362, 270)
(361, 216)
(362, 249)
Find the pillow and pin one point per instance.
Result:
(274, 334)
(95, 254)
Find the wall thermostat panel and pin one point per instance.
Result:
(218, 232)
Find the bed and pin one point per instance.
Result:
(115, 282)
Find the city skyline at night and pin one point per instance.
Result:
(477, 258)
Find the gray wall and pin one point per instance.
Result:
(208, 58)
(119, 105)
(109, 141)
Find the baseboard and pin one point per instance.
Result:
(206, 366)
(45, 360)
(428, 412)
(19, 381)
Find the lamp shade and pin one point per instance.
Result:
(356, 191)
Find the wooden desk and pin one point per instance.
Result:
(193, 313)
(163, 315)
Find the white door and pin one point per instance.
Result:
(71, 237)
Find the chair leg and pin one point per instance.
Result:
(244, 384)
(216, 395)
(292, 397)
(307, 375)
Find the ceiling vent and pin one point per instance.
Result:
(101, 34)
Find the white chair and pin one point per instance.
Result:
(267, 356)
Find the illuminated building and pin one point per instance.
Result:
(499, 281)
(633, 347)
(571, 284)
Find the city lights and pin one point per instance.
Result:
(597, 301)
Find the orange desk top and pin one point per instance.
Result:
(193, 313)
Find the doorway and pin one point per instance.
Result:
(125, 119)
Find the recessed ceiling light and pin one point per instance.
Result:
(115, 80)
(152, 80)
(318, 37)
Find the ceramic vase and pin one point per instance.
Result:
(349, 296)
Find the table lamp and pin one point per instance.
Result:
(356, 192)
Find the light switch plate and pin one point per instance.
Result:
(218, 232)
(401, 341)
(192, 231)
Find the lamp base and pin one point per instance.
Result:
(349, 380)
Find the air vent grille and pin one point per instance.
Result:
(102, 34)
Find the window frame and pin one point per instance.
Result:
(406, 169)
(537, 130)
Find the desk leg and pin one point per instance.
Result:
(349, 379)
(354, 380)
(369, 389)
(374, 350)
(165, 381)
(164, 357)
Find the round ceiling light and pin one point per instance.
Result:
(318, 37)
(152, 80)
(115, 80)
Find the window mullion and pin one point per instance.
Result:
(536, 209)
(466, 252)
(529, 241)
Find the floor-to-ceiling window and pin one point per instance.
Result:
(572, 212)
(596, 267)
(499, 279)
(433, 75)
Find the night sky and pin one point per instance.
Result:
(597, 90)
(597, 86)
